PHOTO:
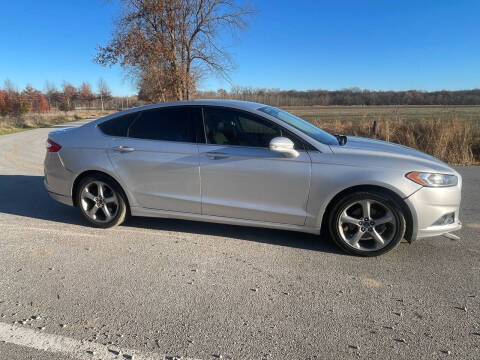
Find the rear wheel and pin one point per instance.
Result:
(367, 223)
(101, 201)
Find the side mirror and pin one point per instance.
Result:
(284, 146)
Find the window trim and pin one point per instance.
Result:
(305, 144)
(202, 140)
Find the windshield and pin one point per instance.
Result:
(300, 124)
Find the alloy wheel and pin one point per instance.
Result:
(99, 202)
(367, 225)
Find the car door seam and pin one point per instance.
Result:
(309, 189)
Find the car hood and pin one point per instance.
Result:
(378, 153)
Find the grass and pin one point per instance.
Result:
(404, 112)
(7, 131)
(9, 125)
(450, 133)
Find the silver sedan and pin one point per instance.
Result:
(251, 164)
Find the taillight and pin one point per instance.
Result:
(52, 146)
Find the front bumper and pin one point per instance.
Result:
(438, 230)
(429, 204)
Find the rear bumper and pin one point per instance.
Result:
(428, 205)
(57, 179)
(67, 200)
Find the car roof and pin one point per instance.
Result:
(238, 104)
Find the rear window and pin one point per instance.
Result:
(117, 126)
(177, 124)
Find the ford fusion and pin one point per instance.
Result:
(246, 163)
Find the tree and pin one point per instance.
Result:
(85, 93)
(9, 86)
(3, 103)
(68, 93)
(167, 45)
(222, 93)
(35, 100)
(104, 92)
(11, 101)
(51, 93)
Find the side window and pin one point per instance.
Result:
(220, 126)
(256, 126)
(256, 131)
(117, 126)
(176, 124)
(230, 127)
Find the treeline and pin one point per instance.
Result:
(69, 97)
(14, 102)
(353, 96)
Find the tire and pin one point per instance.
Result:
(103, 208)
(367, 223)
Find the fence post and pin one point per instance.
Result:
(374, 128)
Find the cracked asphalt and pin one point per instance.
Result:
(198, 290)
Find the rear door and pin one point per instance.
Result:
(242, 178)
(159, 161)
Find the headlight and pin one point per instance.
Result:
(432, 179)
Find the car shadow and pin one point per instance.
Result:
(25, 195)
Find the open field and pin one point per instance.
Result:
(450, 133)
(382, 113)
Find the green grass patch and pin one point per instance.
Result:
(12, 131)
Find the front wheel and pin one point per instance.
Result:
(101, 202)
(367, 223)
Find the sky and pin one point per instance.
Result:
(301, 44)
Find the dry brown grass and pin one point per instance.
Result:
(450, 133)
(11, 124)
(453, 141)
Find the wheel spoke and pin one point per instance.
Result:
(377, 237)
(107, 213)
(384, 219)
(348, 219)
(93, 211)
(355, 239)
(366, 208)
(100, 188)
(88, 195)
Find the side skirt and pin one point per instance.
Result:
(139, 211)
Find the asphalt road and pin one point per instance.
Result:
(154, 288)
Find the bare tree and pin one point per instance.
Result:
(9, 86)
(103, 92)
(69, 92)
(167, 45)
(51, 92)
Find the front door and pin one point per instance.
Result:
(243, 179)
(159, 160)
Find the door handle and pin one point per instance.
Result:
(123, 149)
(216, 155)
